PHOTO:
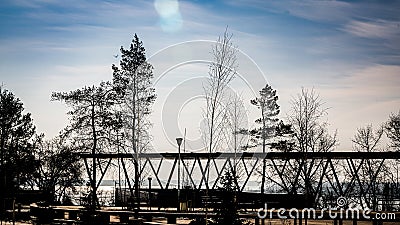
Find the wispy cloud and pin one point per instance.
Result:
(321, 11)
(365, 96)
(48, 45)
(374, 29)
(378, 82)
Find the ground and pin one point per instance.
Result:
(267, 222)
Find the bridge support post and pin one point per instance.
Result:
(300, 220)
(171, 219)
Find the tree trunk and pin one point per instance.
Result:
(263, 149)
(94, 185)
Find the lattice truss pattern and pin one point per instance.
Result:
(365, 179)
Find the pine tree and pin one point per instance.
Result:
(267, 103)
(392, 129)
(17, 135)
(227, 210)
(132, 80)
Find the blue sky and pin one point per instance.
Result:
(347, 51)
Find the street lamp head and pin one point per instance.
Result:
(179, 141)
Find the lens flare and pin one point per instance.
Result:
(170, 17)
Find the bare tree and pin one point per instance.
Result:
(59, 168)
(366, 140)
(236, 134)
(221, 72)
(310, 135)
(306, 118)
(373, 172)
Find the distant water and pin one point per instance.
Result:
(106, 191)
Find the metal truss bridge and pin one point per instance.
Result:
(368, 178)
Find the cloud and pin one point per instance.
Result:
(365, 96)
(373, 29)
(378, 82)
(317, 11)
(326, 11)
(69, 44)
(364, 93)
(370, 84)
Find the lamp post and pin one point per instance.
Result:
(179, 142)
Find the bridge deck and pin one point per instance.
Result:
(249, 155)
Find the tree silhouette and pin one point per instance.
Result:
(367, 139)
(269, 109)
(133, 83)
(392, 129)
(59, 168)
(221, 72)
(17, 143)
(227, 210)
(311, 135)
(92, 117)
(236, 134)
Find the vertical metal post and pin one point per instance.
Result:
(93, 184)
(179, 142)
(179, 169)
(149, 178)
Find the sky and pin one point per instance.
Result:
(347, 51)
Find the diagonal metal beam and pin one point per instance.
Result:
(245, 167)
(127, 177)
(336, 178)
(155, 173)
(354, 175)
(219, 173)
(361, 192)
(203, 173)
(88, 170)
(171, 172)
(280, 174)
(159, 166)
(302, 161)
(324, 168)
(249, 175)
(103, 173)
(189, 173)
(143, 167)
